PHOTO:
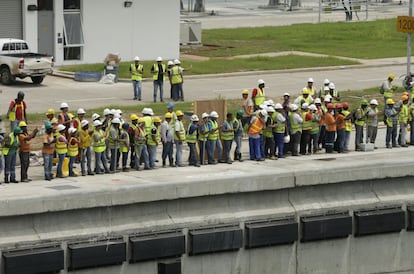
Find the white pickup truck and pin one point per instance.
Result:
(16, 61)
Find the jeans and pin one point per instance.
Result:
(211, 146)
(202, 147)
(280, 143)
(313, 142)
(86, 155)
(227, 149)
(347, 137)
(61, 158)
(371, 134)
(295, 141)
(359, 136)
(48, 164)
(192, 157)
(391, 136)
(24, 164)
(10, 167)
(141, 150)
(71, 162)
(152, 154)
(269, 146)
(255, 151)
(304, 141)
(177, 92)
(124, 159)
(322, 138)
(403, 134)
(329, 141)
(340, 139)
(159, 84)
(167, 151)
(178, 152)
(101, 157)
(114, 159)
(238, 141)
(137, 85)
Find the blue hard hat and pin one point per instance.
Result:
(170, 105)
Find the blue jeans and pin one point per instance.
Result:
(178, 153)
(202, 147)
(159, 84)
(227, 149)
(152, 153)
(347, 137)
(359, 136)
(192, 157)
(101, 157)
(86, 155)
(238, 141)
(280, 143)
(137, 89)
(329, 141)
(60, 164)
(313, 142)
(114, 159)
(71, 162)
(141, 150)
(211, 146)
(391, 136)
(48, 164)
(340, 138)
(255, 149)
(10, 167)
(167, 151)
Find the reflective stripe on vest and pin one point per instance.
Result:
(203, 132)
(307, 125)
(99, 146)
(156, 71)
(181, 132)
(294, 126)
(61, 147)
(138, 76)
(360, 122)
(256, 127)
(191, 138)
(227, 135)
(280, 126)
(348, 123)
(140, 136)
(157, 138)
(13, 142)
(260, 97)
(213, 136)
(73, 149)
(176, 77)
(314, 123)
(403, 116)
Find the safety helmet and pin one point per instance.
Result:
(54, 121)
(391, 76)
(389, 101)
(145, 111)
(168, 115)
(405, 93)
(239, 112)
(81, 111)
(326, 88)
(278, 106)
(116, 121)
(117, 115)
(310, 80)
(84, 123)
(305, 106)
(338, 105)
(141, 120)
(214, 114)
(159, 59)
(156, 119)
(204, 115)
(262, 106)
(17, 130)
(293, 107)
(179, 113)
(170, 63)
(404, 98)
(133, 117)
(328, 98)
(48, 125)
(345, 105)
(194, 118)
(177, 62)
(97, 123)
(373, 102)
(150, 112)
(286, 94)
(60, 127)
(260, 82)
(50, 111)
(326, 81)
(313, 107)
(305, 91)
(364, 102)
(95, 116)
(22, 124)
(106, 112)
(330, 106)
(136, 58)
(112, 111)
(170, 105)
(318, 101)
(72, 130)
(245, 91)
(270, 109)
(20, 95)
(331, 85)
(64, 105)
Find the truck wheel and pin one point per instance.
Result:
(5, 76)
(37, 79)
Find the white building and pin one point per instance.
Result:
(85, 31)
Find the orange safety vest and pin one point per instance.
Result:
(256, 127)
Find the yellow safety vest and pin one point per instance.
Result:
(268, 131)
(156, 71)
(360, 122)
(73, 149)
(260, 97)
(136, 76)
(181, 132)
(294, 126)
(227, 135)
(61, 147)
(403, 116)
(13, 142)
(191, 138)
(307, 125)
(348, 123)
(157, 136)
(124, 147)
(176, 77)
(203, 132)
(99, 145)
(213, 136)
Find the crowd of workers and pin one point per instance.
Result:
(315, 120)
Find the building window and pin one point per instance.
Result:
(71, 4)
(72, 30)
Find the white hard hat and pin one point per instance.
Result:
(328, 98)
(60, 127)
(177, 62)
(64, 105)
(112, 111)
(170, 63)
(326, 81)
(145, 111)
(159, 59)
(106, 112)
(119, 111)
(97, 123)
(81, 111)
(96, 116)
(286, 94)
(293, 107)
(71, 130)
(260, 81)
(204, 115)
(214, 114)
(270, 102)
(326, 88)
(318, 101)
(263, 112)
(84, 123)
(117, 115)
(313, 107)
(150, 112)
(374, 102)
(310, 80)
(116, 121)
(262, 106)
(270, 109)
(305, 105)
(331, 85)
(136, 58)
(278, 106)
(194, 118)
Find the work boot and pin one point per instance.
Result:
(239, 157)
(163, 163)
(236, 156)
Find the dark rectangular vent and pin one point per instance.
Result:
(379, 220)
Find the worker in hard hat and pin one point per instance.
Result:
(304, 98)
(191, 140)
(99, 147)
(411, 121)
(177, 80)
(167, 139)
(114, 143)
(258, 94)
(269, 142)
(64, 118)
(340, 129)
(24, 150)
(391, 119)
(179, 138)
(280, 130)
(247, 107)
(348, 125)
(213, 140)
(136, 70)
(387, 89)
(330, 122)
(238, 134)
(158, 71)
(314, 132)
(372, 122)
(61, 148)
(296, 121)
(124, 145)
(403, 121)
(48, 150)
(17, 110)
(227, 136)
(333, 92)
(11, 145)
(85, 132)
(307, 118)
(73, 149)
(153, 141)
(309, 86)
(360, 121)
(323, 88)
(140, 141)
(254, 131)
(203, 131)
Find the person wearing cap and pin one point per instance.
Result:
(333, 92)
(176, 79)
(254, 131)
(136, 70)
(304, 98)
(269, 142)
(238, 135)
(170, 65)
(360, 121)
(167, 139)
(213, 141)
(330, 122)
(11, 144)
(24, 150)
(202, 136)
(314, 132)
(280, 131)
(247, 107)
(323, 89)
(403, 121)
(17, 110)
(348, 125)
(191, 139)
(124, 144)
(133, 125)
(387, 89)
(140, 142)
(73, 149)
(64, 118)
(48, 150)
(227, 136)
(340, 128)
(85, 133)
(61, 148)
(307, 118)
(310, 88)
(153, 140)
(372, 122)
(179, 138)
(99, 147)
(158, 71)
(114, 143)
(258, 94)
(295, 129)
(391, 119)
(76, 123)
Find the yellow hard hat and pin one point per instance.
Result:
(405, 93)
(141, 120)
(404, 98)
(22, 124)
(168, 115)
(54, 121)
(245, 91)
(179, 113)
(391, 76)
(389, 101)
(156, 119)
(70, 116)
(50, 111)
(305, 91)
(133, 117)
